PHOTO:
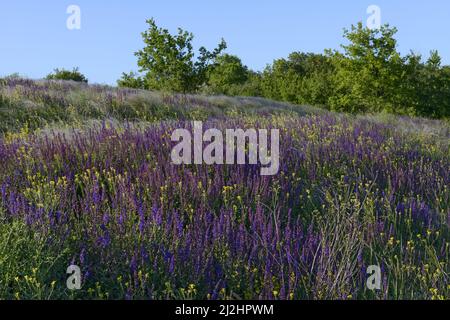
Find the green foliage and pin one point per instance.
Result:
(251, 88)
(168, 60)
(368, 76)
(369, 72)
(372, 76)
(29, 269)
(226, 73)
(428, 86)
(62, 74)
(303, 78)
(131, 80)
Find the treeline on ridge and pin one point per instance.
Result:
(367, 75)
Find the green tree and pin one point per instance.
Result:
(369, 72)
(301, 78)
(252, 87)
(225, 74)
(168, 61)
(62, 74)
(429, 86)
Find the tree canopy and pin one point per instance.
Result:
(168, 62)
(368, 74)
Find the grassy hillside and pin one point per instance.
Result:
(41, 104)
(352, 192)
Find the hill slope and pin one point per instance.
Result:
(351, 192)
(47, 103)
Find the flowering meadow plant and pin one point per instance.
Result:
(351, 192)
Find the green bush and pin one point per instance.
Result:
(131, 80)
(62, 74)
(226, 73)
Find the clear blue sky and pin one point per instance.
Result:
(34, 38)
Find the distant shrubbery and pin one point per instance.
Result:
(369, 75)
(62, 74)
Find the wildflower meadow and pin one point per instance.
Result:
(86, 179)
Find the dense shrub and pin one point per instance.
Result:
(226, 72)
(62, 74)
(303, 78)
(131, 80)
